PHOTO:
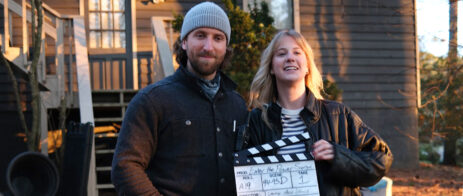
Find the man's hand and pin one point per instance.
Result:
(322, 150)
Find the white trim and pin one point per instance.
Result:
(81, 8)
(10, 27)
(417, 62)
(25, 38)
(85, 92)
(60, 57)
(296, 16)
(133, 17)
(6, 34)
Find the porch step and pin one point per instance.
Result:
(106, 120)
(109, 109)
(105, 151)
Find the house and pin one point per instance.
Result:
(368, 47)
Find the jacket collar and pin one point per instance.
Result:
(312, 108)
(225, 82)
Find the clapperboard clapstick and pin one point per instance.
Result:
(243, 157)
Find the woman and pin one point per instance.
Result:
(286, 97)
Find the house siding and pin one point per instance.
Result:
(369, 49)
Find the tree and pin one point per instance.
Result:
(441, 113)
(452, 135)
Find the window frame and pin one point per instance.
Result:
(112, 30)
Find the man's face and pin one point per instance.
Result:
(205, 48)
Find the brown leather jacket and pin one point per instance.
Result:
(361, 158)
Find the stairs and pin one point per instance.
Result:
(108, 109)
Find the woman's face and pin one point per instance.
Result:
(289, 63)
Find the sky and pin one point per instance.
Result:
(433, 25)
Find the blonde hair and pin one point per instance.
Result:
(263, 86)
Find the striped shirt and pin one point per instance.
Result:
(292, 125)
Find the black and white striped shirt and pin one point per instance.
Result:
(292, 125)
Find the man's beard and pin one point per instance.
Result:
(206, 68)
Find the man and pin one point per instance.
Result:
(178, 134)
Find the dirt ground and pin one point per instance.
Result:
(427, 180)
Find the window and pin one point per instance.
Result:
(280, 10)
(106, 24)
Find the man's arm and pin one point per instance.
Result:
(135, 147)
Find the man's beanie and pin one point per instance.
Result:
(206, 14)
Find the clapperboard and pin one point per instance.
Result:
(289, 175)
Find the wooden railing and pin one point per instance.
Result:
(160, 62)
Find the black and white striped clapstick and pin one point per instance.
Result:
(243, 157)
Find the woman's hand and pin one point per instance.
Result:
(322, 150)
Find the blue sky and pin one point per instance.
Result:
(433, 25)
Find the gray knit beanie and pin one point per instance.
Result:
(206, 14)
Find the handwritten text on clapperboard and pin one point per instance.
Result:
(287, 178)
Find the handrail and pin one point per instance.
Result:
(51, 10)
(161, 47)
(85, 93)
(16, 8)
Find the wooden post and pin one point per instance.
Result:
(6, 31)
(81, 7)
(70, 75)
(25, 47)
(60, 57)
(417, 62)
(133, 15)
(85, 92)
(296, 16)
(161, 48)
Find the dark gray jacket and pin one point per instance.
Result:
(361, 158)
(175, 141)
